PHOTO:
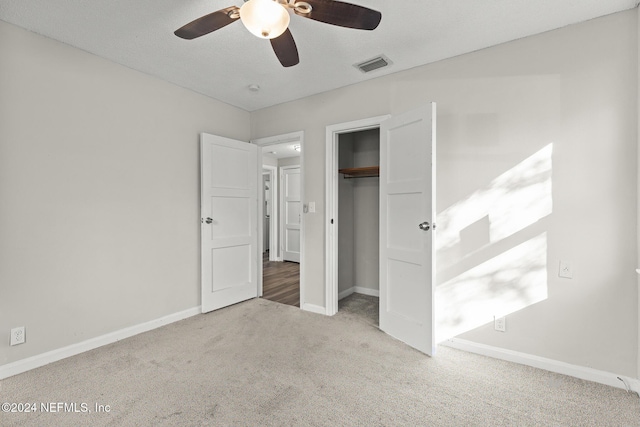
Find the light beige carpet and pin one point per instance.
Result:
(361, 307)
(261, 363)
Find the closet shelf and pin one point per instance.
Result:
(360, 172)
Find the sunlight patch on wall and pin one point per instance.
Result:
(502, 285)
(510, 203)
(492, 248)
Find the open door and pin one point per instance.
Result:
(229, 185)
(407, 210)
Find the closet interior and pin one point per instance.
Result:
(358, 223)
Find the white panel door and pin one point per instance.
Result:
(229, 185)
(291, 211)
(407, 182)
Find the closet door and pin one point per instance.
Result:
(407, 210)
(291, 210)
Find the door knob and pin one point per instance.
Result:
(208, 220)
(424, 226)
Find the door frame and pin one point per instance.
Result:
(272, 171)
(293, 138)
(281, 202)
(331, 202)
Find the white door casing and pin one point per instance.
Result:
(407, 183)
(333, 133)
(291, 212)
(229, 209)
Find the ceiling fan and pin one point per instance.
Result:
(269, 19)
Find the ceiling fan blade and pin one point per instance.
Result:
(208, 23)
(285, 48)
(342, 14)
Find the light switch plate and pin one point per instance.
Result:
(312, 207)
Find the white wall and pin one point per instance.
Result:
(269, 161)
(346, 242)
(99, 193)
(536, 164)
(289, 161)
(638, 163)
(366, 202)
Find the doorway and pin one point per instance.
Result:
(358, 222)
(406, 212)
(340, 154)
(280, 162)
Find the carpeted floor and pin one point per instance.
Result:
(360, 307)
(261, 363)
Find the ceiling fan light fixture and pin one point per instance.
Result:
(266, 19)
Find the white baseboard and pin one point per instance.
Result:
(358, 290)
(366, 291)
(314, 308)
(556, 366)
(346, 293)
(39, 360)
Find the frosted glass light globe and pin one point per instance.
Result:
(266, 19)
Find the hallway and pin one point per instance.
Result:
(281, 281)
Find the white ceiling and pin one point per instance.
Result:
(139, 35)
(281, 151)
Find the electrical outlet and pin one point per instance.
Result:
(500, 323)
(565, 270)
(18, 336)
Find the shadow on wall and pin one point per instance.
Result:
(492, 248)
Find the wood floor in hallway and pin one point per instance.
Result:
(281, 281)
